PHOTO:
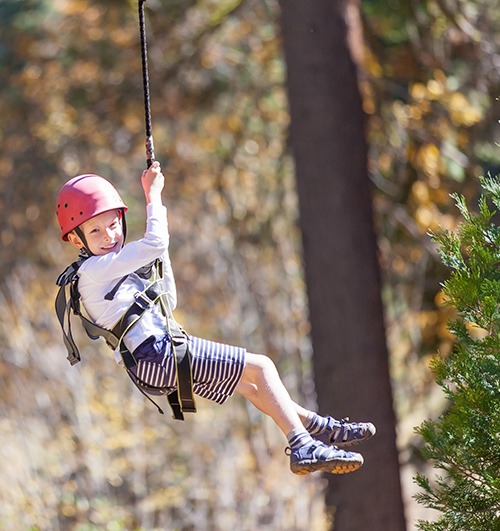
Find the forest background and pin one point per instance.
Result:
(81, 449)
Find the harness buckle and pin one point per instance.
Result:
(143, 301)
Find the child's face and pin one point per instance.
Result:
(104, 233)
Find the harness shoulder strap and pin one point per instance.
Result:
(63, 307)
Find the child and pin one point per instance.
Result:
(91, 216)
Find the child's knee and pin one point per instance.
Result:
(260, 364)
(268, 365)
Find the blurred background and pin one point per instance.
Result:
(80, 447)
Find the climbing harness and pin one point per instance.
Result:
(150, 151)
(148, 377)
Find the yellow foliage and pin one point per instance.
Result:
(462, 112)
(418, 91)
(428, 159)
(435, 89)
(420, 191)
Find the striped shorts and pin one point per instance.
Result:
(216, 367)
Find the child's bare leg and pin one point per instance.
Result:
(262, 385)
(250, 391)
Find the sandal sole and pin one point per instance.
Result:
(332, 467)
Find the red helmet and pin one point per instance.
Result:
(84, 197)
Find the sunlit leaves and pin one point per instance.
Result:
(73, 102)
(430, 90)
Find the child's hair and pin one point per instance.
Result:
(84, 197)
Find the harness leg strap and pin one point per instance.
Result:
(184, 374)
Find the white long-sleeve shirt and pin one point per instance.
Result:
(98, 275)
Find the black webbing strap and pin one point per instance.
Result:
(183, 365)
(63, 306)
(63, 310)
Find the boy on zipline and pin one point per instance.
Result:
(112, 276)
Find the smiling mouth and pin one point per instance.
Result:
(109, 247)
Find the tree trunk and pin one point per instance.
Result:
(340, 257)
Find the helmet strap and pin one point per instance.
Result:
(124, 225)
(80, 234)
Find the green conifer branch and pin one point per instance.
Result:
(464, 442)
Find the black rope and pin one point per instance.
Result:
(150, 152)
